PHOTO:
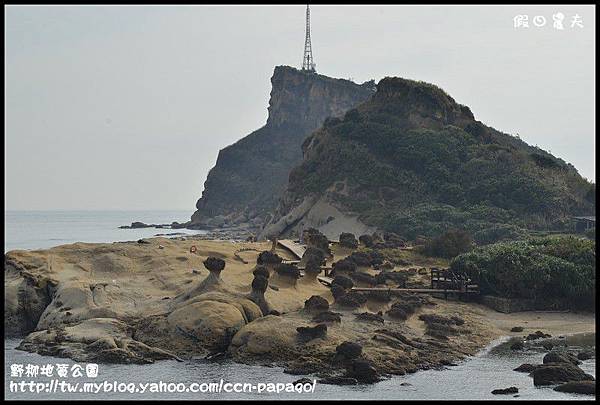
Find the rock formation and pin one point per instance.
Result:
(244, 185)
(412, 161)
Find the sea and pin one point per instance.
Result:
(198, 379)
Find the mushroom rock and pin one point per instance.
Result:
(268, 259)
(316, 303)
(352, 299)
(344, 266)
(214, 265)
(343, 281)
(261, 271)
(286, 275)
(257, 295)
(314, 254)
(313, 238)
(337, 291)
(212, 282)
(360, 259)
(311, 271)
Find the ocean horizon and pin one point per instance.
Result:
(41, 229)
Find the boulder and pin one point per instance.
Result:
(349, 350)
(537, 335)
(586, 354)
(526, 368)
(578, 387)
(556, 356)
(505, 391)
(558, 373)
(516, 329)
(363, 371)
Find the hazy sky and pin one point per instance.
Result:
(127, 107)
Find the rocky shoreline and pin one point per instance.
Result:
(184, 297)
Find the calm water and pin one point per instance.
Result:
(43, 229)
(472, 379)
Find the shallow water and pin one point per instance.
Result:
(473, 378)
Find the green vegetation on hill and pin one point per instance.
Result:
(557, 272)
(412, 161)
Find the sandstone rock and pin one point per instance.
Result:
(257, 295)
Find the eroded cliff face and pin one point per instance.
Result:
(413, 161)
(250, 175)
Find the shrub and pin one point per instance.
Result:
(556, 272)
(449, 245)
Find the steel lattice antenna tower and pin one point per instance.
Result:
(307, 62)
